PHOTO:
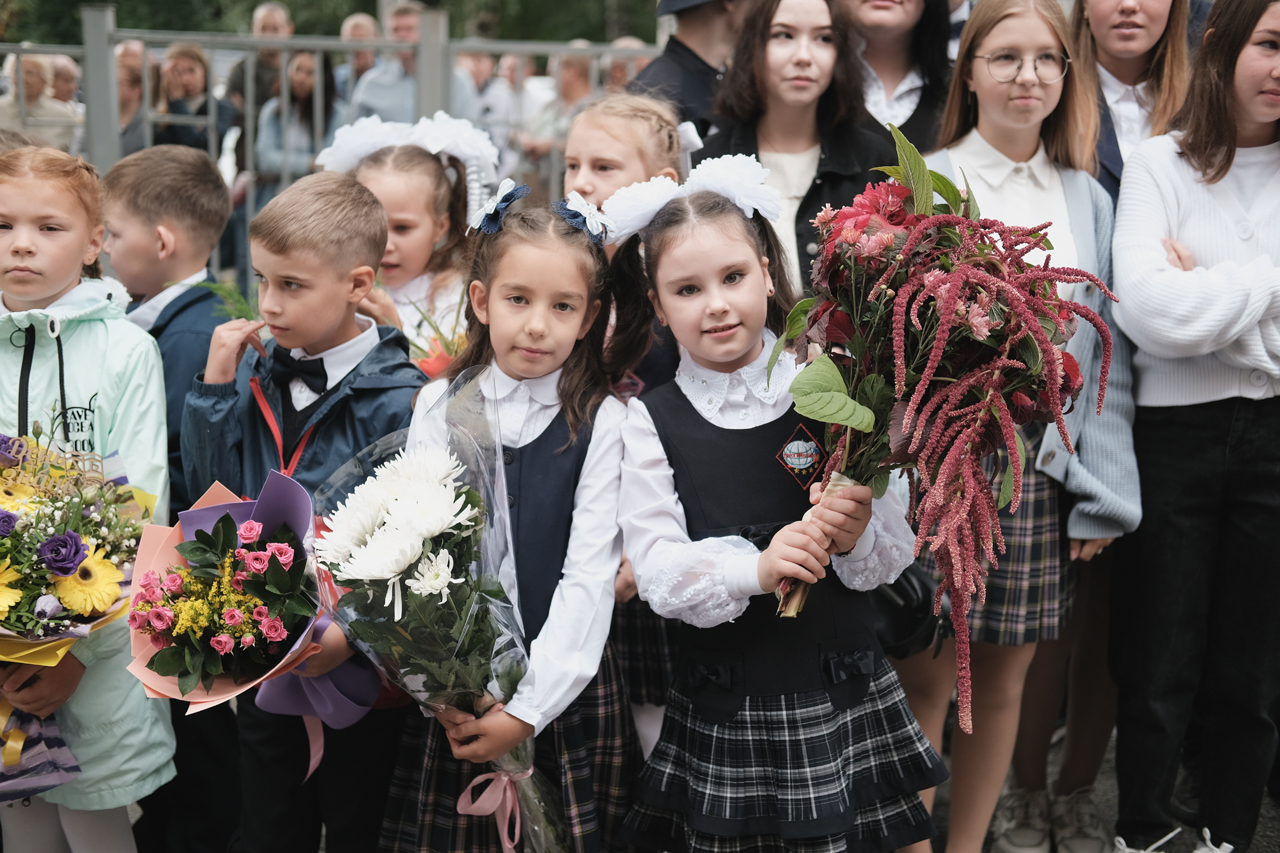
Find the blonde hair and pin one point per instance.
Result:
(652, 125)
(71, 174)
(329, 214)
(1070, 132)
(1168, 74)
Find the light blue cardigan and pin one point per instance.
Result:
(1103, 472)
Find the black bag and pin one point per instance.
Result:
(904, 617)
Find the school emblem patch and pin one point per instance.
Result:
(802, 456)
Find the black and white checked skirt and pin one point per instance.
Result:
(789, 772)
(646, 645)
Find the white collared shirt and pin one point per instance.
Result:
(338, 362)
(566, 654)
(1025, 194)
(1130, 108)
(146, 314)
(711, 581)
(888, 108)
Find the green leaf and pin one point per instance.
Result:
(1006, 484)
(820, 393)
(895, 172)
(946, 188)
(168, 662)
(795, 325)
(277, 578)
(299, 606)
(188, 681)
(213, 664)
(974, 213)
(918, 179)
(880, 484)
(195, 658)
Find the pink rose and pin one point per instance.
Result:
(232, 616)
(260, 613)
(137, 619)
(160, 641)
(237, 581)
(281, 552)
(246, 640)
(160, 618)
(172, 584)
(222, 644)
(256, 561)
(240, 552)
(149, 580)
(151, 594)
(249, 532)
(273, 629)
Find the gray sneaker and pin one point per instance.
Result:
(1076, 825)
(1021, 822)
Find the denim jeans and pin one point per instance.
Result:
(1193, 615)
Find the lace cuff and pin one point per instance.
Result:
(890, 551)
(686, 580)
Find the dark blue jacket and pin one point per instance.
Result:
(1110, 163)
(231, 431)
(183, 331)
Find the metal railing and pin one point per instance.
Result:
(19, 88)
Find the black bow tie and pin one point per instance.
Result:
(285, 368)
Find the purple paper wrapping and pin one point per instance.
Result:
(46, 761)
(340, 698)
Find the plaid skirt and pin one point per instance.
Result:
(646, 645)
(789, 772)
(1030, 594)
(591, 750)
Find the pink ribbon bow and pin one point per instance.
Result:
(499, 798)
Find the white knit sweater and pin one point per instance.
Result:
(1214, 332)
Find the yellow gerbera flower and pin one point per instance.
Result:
(8, 595)
(92, 588)
(14, 496)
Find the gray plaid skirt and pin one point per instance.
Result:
(1031, 592)
(646, 645)
(789, 772)
(591, 751)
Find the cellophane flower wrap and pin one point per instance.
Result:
(409, 567)
(930, 338)
(225, 599)
(69, 531)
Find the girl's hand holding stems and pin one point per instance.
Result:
(803, 549)
(479, 740)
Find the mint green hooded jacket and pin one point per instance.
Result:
(109, 382)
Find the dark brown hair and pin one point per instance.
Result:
(1070, 132)
(592, 368)
(1208, 116)
(741, 97)
(638, 258)
(448, 197)
(329, 214)
(173, 183)
(1166, 76)
(72, 174)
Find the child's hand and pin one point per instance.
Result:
(41, 690)
(796, 551)
(624, 586)
(334, 650)
(492, 736)
(230, 340)
(379, 306)
(451, 718)
(842, 517)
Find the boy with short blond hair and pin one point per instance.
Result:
(330, 384)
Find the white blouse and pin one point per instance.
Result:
(710, 581)
(1130, 108)
(1024, 194)
(414, 303)
(791, 175)
(566, 654)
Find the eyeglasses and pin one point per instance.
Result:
(1005, 66)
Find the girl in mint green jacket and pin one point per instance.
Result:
(66, 348)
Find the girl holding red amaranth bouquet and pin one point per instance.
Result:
(780, 734)
(1021, 128)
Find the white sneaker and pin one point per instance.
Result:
(1022, 822)
(1121, 847)
(1206, 845)
(1076, 825)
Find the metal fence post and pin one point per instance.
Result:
(102, 99)
(433, 65)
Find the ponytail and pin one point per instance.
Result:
(628, 285)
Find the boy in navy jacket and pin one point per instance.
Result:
(328, 385)
(166, 208)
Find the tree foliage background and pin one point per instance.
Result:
(58, 21)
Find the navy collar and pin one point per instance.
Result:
(1109, 156)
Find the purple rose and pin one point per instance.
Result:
(8, 521)
(63, 554)
(7, 460)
